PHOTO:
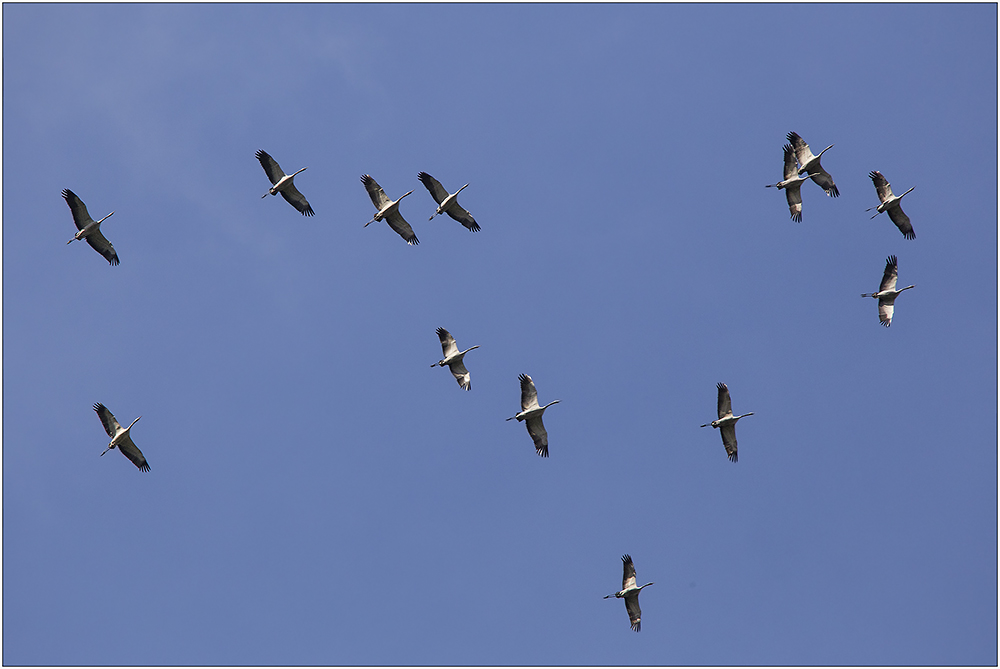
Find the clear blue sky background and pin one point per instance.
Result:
(319, 494)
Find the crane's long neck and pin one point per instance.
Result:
(824, 151)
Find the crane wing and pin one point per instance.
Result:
(802, 151)
(399, 224)
(132, 452)
(628, 572)
(725, 405)
(791, 169)
(108, 420)
(375, 192)
(448, 345)
(902, 222)
(538, 435)
(297, 200)
(437, 191)
(824, 180)
(270, 165)
(456, 211)
(890, 275)
(729, 440)
(81, 217)
(529, 396)
(881, 185)
(885, 309)
(634, 612)
(100, 243)
(793, 194)
(461, 374)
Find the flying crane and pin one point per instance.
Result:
(890, 203)
(120, 438)
(389, 210)
(810, 163)
(630, 593)
(283, 184)
(792, 184)
(453, 359)
(88, 228)
(727, 421)
(532, 414)
(448, 203)
(887, 292)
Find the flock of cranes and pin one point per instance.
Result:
(798, 160)
(800, 165)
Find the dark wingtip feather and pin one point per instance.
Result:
(144, 467)
(910, 235)
(733, 457)
(720, 385)
(308, 211)
(543, 452)
(797, 218)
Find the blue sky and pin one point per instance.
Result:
(319, 495)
